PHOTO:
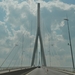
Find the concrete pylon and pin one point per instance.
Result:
(38, 36)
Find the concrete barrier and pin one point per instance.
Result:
(19, 72)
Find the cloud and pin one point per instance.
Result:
(3, 30)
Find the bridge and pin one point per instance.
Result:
(38, 64)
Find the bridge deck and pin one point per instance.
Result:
(39, 71)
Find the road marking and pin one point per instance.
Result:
(23, 74)
(30, 72)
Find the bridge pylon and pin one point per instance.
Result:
(38, 36)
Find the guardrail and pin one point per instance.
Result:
(63, 68)
(11, 68)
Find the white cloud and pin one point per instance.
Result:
(60, 5)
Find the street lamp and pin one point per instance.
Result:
(70, 42)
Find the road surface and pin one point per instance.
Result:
(45, 71)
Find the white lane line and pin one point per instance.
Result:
(23, 74)
(30, 72)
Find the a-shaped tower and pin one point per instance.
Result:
(38, 36)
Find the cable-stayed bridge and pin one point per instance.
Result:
(38, 64)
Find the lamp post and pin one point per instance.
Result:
(70, 42)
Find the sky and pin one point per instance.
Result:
(18, 26)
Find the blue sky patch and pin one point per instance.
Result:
(2, 14)
(68, 1)
(0, 0)
(47, 0)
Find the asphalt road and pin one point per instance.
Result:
(45, 71)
